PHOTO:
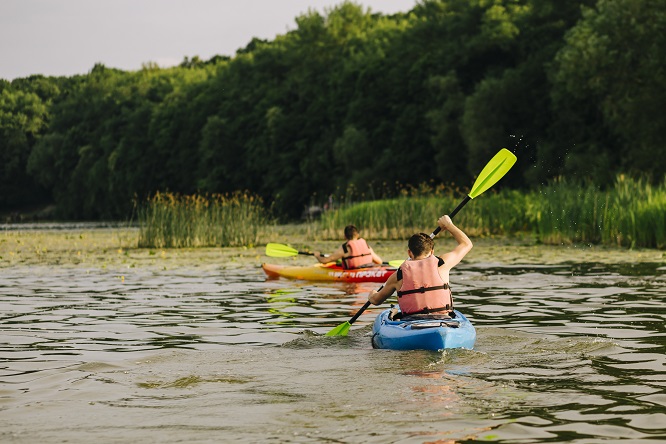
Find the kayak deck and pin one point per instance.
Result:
(329, 272)
(425, 334)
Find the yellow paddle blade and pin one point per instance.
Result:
(280, 250)
(340, 330)
(493, 171)
(396, 263)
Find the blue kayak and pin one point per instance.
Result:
(423, 334)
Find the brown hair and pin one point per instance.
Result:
(350, 232)
(420, 243)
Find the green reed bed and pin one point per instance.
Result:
(630, 213)
(171, 221)
(399, 218)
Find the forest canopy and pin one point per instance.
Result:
(351, 99)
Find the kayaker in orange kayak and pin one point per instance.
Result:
(422, 281)
(354, 253)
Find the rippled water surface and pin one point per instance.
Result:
(571, 352)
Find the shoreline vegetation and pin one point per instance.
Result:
(115, 250)
(631, 213)
(352, 98)
(560, 223)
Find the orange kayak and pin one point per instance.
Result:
(329, 272)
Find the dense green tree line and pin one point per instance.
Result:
(352, 99)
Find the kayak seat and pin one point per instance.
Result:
(425, 317)
(396, 315)
(422, 325)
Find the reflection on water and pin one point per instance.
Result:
(565, 353)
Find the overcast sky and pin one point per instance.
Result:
(67, 37)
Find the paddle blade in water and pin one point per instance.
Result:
(280, 250)
(340, 330)
(493, 171)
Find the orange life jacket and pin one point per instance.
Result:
(423, 289)
(360, 254)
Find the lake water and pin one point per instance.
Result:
(569, 352)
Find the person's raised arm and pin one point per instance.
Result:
(453, 258)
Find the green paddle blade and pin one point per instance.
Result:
(340, 330)
(494, 171)
(279, 250)
(396, 263)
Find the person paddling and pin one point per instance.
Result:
(354, 253)
(422, 282)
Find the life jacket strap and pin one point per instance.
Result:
(423, 290)
(358, 255)
(345, 262)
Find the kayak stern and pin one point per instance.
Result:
(423, 334)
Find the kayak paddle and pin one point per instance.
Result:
(281, 250)
(494, 170)
(343, 329)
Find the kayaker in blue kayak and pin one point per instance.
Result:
(354, 253)
(422, 282)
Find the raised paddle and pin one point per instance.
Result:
(491, 173)
(281, 250)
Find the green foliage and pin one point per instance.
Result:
(630, 213)
(103, 148)
(352, 99)
(418, 211)
(173, 221)
(613, 63)
(23, 117)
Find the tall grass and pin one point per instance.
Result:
(170, 220)
(630, 213)
(401, 217)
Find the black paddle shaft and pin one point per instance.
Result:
(453, 213)
(360, 312)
